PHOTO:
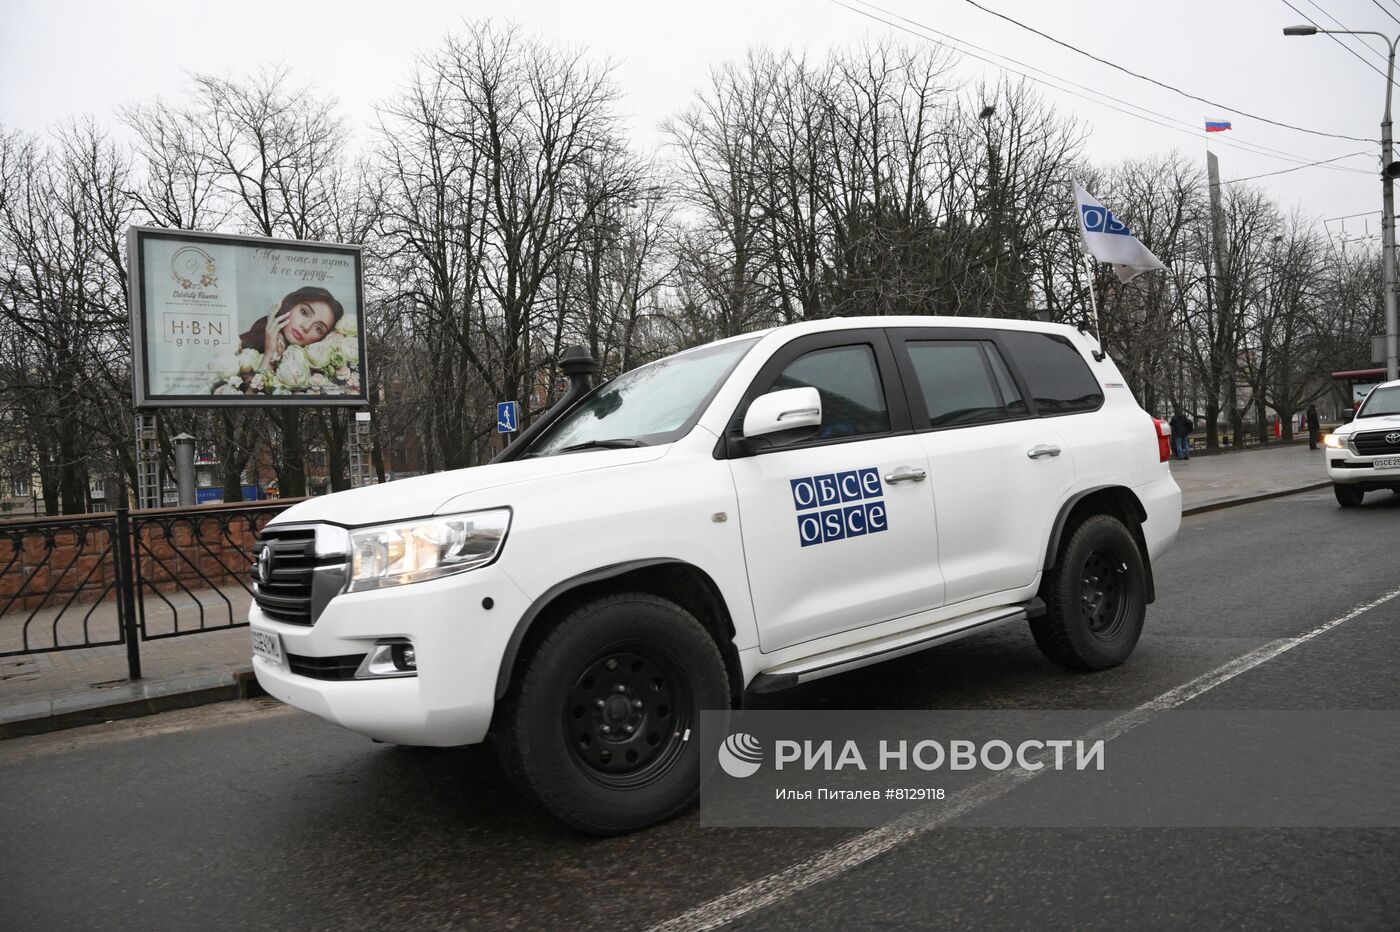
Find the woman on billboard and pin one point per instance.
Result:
(306, 316)
(301, 347)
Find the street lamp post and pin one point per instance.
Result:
(1389, 170)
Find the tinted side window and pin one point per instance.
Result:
(956, 382)
(848, 380)
(1015, 404)
(1057, 376)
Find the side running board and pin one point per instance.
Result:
(855, 656)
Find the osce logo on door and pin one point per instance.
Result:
(839, 505)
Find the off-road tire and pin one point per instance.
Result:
(1348, 496)
(637, 667)
(1095, 598)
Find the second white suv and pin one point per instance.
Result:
(737, 518)
(1364, 455)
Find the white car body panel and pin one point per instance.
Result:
(805, 587)
(999, 548)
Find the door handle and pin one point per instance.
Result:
(1044, 449)
(905, 474)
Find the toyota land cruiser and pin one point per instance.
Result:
(1364, 455)
(737, 518)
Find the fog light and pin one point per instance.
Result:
(389, 658)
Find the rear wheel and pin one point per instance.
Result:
(1096, 598)
(600, 727)
(1348, 496)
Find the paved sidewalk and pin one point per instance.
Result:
(1224, 479)
(43, 692)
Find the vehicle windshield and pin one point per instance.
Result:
(1383, 400)
(656, 403)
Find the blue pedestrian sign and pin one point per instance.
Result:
(507, 417)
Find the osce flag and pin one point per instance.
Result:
(1108, 239)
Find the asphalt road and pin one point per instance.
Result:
(251, 815)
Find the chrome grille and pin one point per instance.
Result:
(1374, 442)
(287, 560)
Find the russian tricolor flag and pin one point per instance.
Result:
(1217, 126)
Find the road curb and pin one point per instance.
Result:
(1251, 499)
(143, 698)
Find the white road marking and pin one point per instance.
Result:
(866, 846)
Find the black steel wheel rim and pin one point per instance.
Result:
(627, 716)
(1104, 598)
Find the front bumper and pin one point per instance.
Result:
(1347, 468)
(458, 642)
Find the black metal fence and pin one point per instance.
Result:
(126, 577)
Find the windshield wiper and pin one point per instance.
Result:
(614, 444)
(617, 444)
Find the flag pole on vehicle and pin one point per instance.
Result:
(1108, 239)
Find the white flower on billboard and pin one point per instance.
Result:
(293, 369)
(322, 355)
(347, 327)
(249, 360)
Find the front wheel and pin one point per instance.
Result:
(600, 726)
(1348, 496)
(1096, 598)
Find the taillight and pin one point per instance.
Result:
(1164, 439)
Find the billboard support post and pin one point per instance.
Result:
(147, 462)
(361, 445)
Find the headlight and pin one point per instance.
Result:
(426, 548)
(1334, 441)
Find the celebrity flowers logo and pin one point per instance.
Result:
(192, 267)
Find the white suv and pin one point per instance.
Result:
(1364, 455)
(737, 518)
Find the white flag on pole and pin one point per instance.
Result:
(1108, 239)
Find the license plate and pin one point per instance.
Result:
(1386, 462)
(268, 646)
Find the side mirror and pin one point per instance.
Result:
(793, 409)
(1347, 415)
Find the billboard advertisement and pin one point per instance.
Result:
(231, 321)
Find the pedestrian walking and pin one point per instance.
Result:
(1182, 425)
(1313, 429)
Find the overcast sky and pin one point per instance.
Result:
(61, 58)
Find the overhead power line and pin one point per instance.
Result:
(1334, 38)
(1162, 84)
(1382, 8)
(1193, 130)
(1343, 26)
(1295, 168)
